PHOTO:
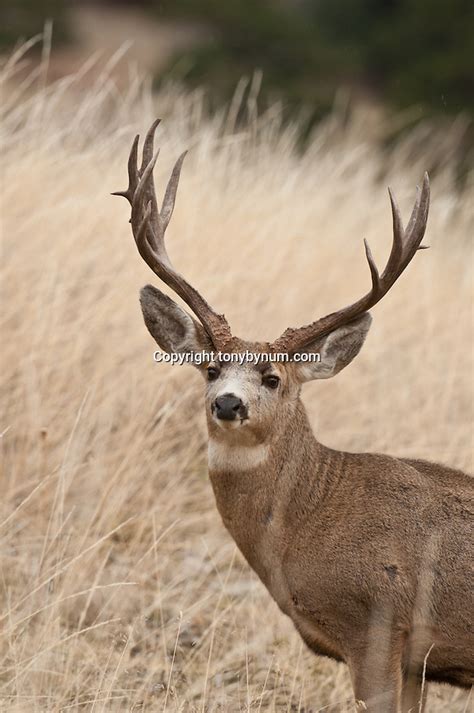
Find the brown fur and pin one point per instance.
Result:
(344, 543)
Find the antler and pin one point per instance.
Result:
(149, 226)
(404, 246)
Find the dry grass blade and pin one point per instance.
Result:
(135, 468)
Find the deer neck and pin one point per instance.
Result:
(254, 464)
(260, 488)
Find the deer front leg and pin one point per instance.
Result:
(376, 673)
(376, 695)
(413, 692)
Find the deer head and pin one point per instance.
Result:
(244, 398)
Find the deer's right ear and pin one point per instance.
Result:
(173, 329)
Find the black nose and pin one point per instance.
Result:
(227, 407)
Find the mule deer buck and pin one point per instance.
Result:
(369, 555)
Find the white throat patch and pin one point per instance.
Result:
(235, 458)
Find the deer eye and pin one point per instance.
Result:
(212, 373)
(271, 381)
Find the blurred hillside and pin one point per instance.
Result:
(410, 53)
(407, 53)
(400, 62)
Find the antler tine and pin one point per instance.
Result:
(145, 185)
(147, 152)
(147, 156)
(149, 226)
(147, 222)
(417, 224)
(374, 273)
(420, 209)
(132, 172)
(407, 242)
(170, 193)
(398, 231)
(404, 246)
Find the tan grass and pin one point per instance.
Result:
(120, 588)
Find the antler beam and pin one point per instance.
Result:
(404, 246)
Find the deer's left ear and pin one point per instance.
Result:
(336, 350)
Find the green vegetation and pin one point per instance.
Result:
(409, 52)
(405, 52)
(412, 51)
(250, 35)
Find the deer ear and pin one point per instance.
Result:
(173, 329)
(336, 350)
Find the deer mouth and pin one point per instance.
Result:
(228, 425)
